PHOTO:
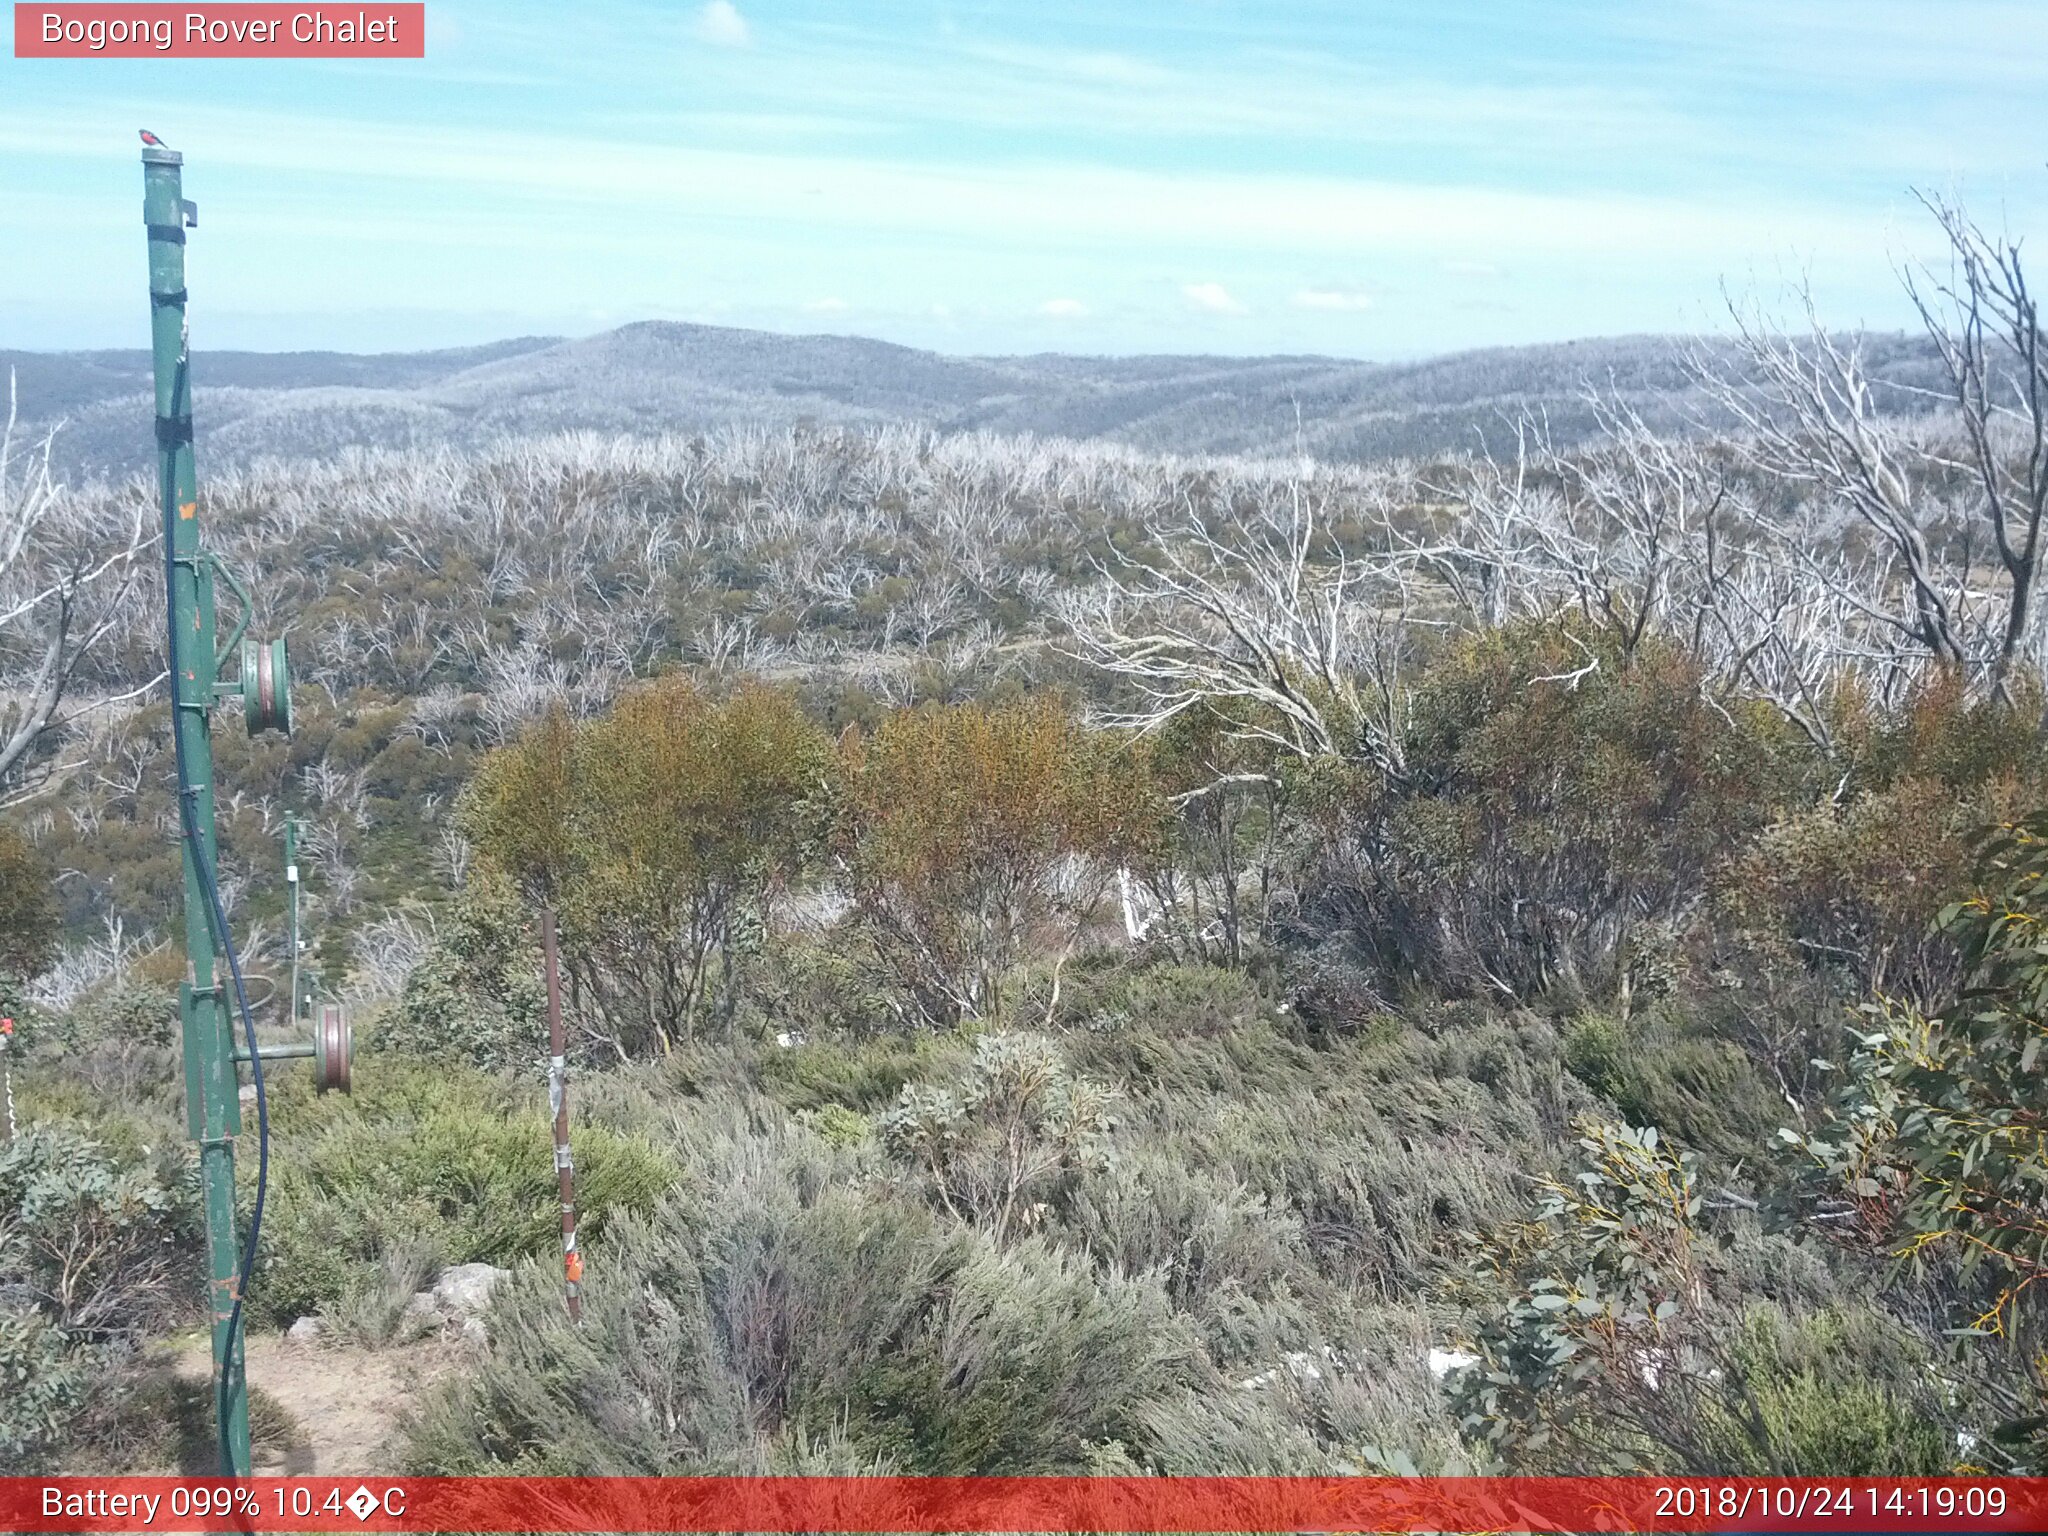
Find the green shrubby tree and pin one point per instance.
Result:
(970, 833)
(1932, 1147)
(31, 920)
(1848, 886)
(660, 832)
(1559, 812)
(1218, 874)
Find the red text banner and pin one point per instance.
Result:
(235, 31)
(914, 1504)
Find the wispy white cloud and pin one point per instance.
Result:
(827, 306)
(1314, 97)
(721, 24)
(1063, 309)
(1280, 214)
(1332, 298)
(1213, 298)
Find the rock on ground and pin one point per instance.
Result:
(465, 1290)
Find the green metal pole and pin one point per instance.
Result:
(213, 1110)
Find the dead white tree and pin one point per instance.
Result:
(1810, 415)
(1290, 635)
(1637, 533)
(1508, 550)
(1986, 326)
(67, 569)
(1929, 491)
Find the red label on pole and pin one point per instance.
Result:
(375, 31)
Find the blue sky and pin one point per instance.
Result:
(1361, 178)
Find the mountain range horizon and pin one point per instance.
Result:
(650, 377)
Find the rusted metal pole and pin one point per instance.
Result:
(558, 1101)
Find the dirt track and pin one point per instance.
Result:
(345, 1402)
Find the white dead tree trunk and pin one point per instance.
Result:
(1986, 325)
(1280, 629)
(1931, 492)
(1810, 414)
(66, 571)
(1639, 534)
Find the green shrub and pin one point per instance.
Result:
(376, 1308)
(1228, 1255)
(1852, 890)
(1151, 1057)
(101, 1246)
(95, 1251)
(1834, 1394)
(1931, 1146)
(1559, 808)
(1330, 1137)
(1217, 867)
(1946, 731)
(725, 1335)
(1180, 999)
(1029, 1358)
(859, 1074)
(129, 1009)
(46, 1380)
(478, 996)
(1005, 1142)
(1664, 1069)
(1614, 1336)
(31, 920)
(1595, 1048)
(820, 986)
(434, 1155)
(838, 1125)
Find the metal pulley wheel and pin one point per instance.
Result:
(334, 1047)
(266, 686)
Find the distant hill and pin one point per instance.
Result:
(658, 376)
